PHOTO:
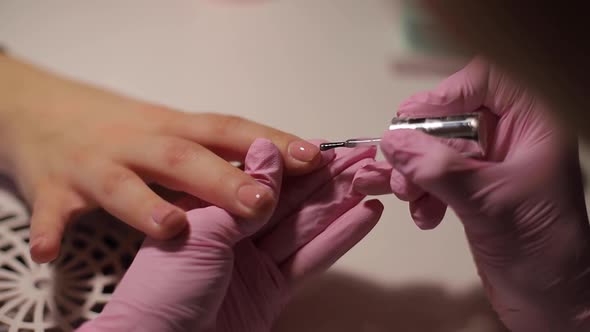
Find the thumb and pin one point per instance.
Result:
(436, 167)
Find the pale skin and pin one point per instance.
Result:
(72, 147)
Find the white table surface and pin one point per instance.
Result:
(317, 68)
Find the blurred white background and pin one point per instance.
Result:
(317, 68)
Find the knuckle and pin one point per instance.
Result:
(79, 156)
(226, 124)
(74, 206)
(178, 152)
(160, 118)
(115, 179)
(115, 130)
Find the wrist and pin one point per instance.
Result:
(541, 296)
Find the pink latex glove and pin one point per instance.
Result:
(221, 278)
(522, 209)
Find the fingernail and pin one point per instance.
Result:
(37, 243)
(39, 251)
(303, 151)
(168, 216)
(253, 196)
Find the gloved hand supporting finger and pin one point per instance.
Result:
(339, 237)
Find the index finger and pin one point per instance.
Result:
(231, 136)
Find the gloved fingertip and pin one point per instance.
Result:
(403, 188)
(262, 151)
(265, 164)
(373, 151)
(440, 102)
(424, 223)
(261, 142)
(416, 107)
(325, 156)
(403, 105)
(372, 179)
(427, 212)
(376, 206)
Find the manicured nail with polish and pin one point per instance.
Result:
(253, 196)
(303, 151)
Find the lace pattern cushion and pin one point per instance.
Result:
(60, 296)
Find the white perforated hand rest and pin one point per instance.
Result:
(59, 296)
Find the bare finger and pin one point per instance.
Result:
(123, 193)
(231, 137)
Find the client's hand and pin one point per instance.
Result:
(230, 274)
(71, 147)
